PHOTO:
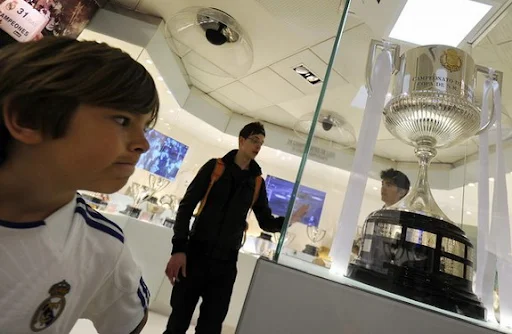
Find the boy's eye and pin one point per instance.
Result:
(124, 121)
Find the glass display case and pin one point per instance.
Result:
(431, 140)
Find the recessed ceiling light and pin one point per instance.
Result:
(471, 184)
(301, 70)
(149, 61)
(160, 78)
(445, 22)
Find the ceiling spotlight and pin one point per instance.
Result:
(301, 70)
(313, 79)
(304, 72)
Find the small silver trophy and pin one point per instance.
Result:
(316, 235)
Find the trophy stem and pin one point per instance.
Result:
(419, 199)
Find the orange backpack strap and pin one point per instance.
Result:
(216, 174)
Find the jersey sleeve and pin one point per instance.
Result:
(121, 303)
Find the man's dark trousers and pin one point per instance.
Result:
(211, 274)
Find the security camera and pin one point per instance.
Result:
(327, 123)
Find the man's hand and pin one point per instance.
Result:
(176, 263)
(299, 214)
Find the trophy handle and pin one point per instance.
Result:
(497, 76)
(379, 44)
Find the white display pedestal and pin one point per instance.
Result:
(285, 300)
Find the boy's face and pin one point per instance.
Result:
(390, 193)
(252, 145)
(98, 151)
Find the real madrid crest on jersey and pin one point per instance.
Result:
(51, 308)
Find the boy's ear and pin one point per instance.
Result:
(19, 131)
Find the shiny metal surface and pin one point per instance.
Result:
(432, 107)
(433, 97)
(452, 267)
(390, 231)
(471, 254)
(453, 247)
(469, 273)
(420, 237)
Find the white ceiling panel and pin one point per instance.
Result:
(271, 86)
(456, 153)
(276, 115)
(244, 96)
(395, 150)
(301, 106)
(502, 32)
(351, 59)
(199, 85)
(316, 65)
(233, 106)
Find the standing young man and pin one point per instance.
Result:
(203, 261)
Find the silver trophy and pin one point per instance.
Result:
(432, 107)
(316, 235)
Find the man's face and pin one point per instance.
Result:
(390, 193)
(99, 150)
(251, 146)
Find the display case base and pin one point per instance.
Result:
(405, 282)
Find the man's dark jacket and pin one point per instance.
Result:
(223, 219)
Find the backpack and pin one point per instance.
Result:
(218, 170)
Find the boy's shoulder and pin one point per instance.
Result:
(98, 226)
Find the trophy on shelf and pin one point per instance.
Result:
(412, 248)
(316, 235)
(142, 193)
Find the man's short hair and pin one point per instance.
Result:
(44, 82)
(255, 128)
(398, 178)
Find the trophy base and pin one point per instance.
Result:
(311, 250)
(418, 257)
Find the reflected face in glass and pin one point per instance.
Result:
(390, 193)
(251, 145)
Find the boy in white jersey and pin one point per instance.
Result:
(73, 116)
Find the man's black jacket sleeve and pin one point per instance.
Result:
(194, 194)
(263, 213)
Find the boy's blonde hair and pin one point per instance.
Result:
(44, 82)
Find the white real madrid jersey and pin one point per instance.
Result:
(72, 265)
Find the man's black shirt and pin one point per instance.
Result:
(222, 221)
